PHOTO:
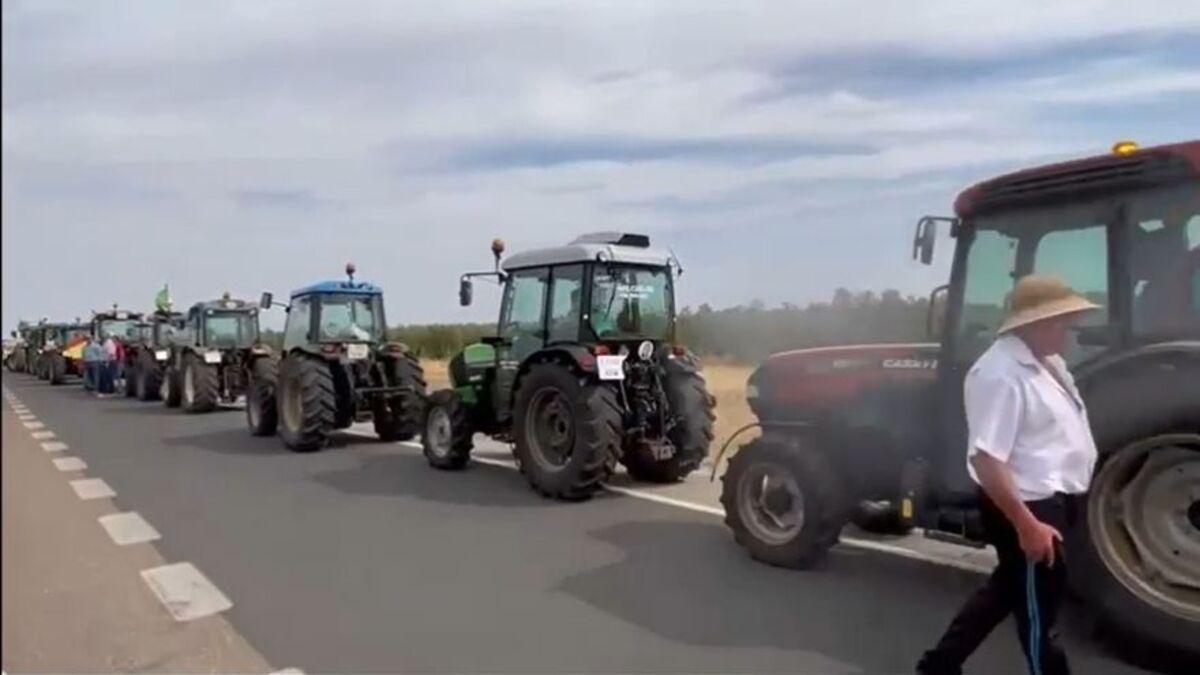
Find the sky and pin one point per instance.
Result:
(780, 149)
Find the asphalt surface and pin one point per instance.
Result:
(362, 558)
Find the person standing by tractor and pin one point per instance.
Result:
(1032, 454)
(93, 359)
(108, 367)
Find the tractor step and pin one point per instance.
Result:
(954, 538)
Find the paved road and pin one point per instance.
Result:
(361, 558)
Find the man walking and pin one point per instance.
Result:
(93, 357)
(1031, 452)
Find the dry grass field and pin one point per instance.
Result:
(726, 381)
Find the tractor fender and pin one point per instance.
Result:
(393, 349)
(575, 356)
(1142, 391)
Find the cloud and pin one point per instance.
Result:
(764, 142)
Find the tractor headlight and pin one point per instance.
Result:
(212, 357)
(645, 350)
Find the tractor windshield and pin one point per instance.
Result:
(351, 318)
(631, 302)
(230, 329)
(121, 329)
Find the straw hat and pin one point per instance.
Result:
(1037, 297)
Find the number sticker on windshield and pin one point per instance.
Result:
(611, 367)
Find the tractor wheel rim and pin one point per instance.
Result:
(1142, 517)
(292, 411)
(771, 502)
(189, 385)
(439, 431)
(551, 429)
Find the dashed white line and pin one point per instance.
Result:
(54, 446)
(42, 435)
(128, 528)
(34, 425)
(92, 488)
(70, 464)
(185, 592)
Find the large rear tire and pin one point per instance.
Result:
(783, 501)
(168, 391)
(147, 378)
(56, 369)
(199, 385)
(568, 432)
(262, 413)
(400, 417)
(43, 368)
(692, 408)
(306, 402)
(448, 437)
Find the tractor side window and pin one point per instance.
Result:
(299, 321)
(524, 307)
(1164, 261)
(565, 303)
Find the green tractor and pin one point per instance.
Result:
(584, 371)
(216, 358)
(337, 368)
(146, 359)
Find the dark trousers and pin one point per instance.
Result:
(106, 370)
(1031, 593)
(89, 375)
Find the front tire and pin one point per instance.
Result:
(262, 412)
(56, 369)
(568, 432)
(692, 407)
(783, 502)
(306, 402)
(147, 379)
(199, 385)
(448, 437)
(169, 389)
(399, 417)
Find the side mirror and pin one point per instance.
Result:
(265, 300)
(465, 292)
(924, 240)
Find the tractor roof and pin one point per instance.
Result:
(1118, 170)
(231, 304)
(118, 314)
(607, 246)
(339, 287)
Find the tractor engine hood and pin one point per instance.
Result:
(809, 383)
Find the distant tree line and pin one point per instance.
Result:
(744, 333)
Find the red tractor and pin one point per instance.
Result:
(885, 423)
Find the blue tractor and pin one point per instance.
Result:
(337, 368)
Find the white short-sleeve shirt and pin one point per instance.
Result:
(1019, 413)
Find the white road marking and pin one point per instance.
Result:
(128, 528)
(34, 425)
(287, 671)
(92, 488)
(70, 464)
(54, 446)
(42, 435)
(855, 542)
(27, 417)
(185, 592)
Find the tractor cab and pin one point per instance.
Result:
(334, 318)
(224, 324)
(116, 323)
(163, 328)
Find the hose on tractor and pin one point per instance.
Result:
(721, 453)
